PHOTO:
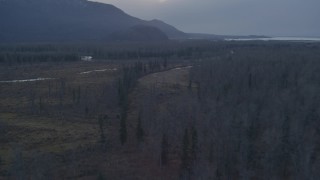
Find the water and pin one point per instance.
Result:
(44, 79)
(99, 70)
(26, 80)
(278, 39)
(186, 67)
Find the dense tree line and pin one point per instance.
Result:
(251, 112)
(33, 57)
(33, 53)
(261, 112)
(127, 81)
(21, 53)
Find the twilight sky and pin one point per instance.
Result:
(236, 17)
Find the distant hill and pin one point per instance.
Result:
(220, 37)
(139, 33)
(75, 20)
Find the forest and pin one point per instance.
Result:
(188, 109)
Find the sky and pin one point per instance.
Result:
(230, 17)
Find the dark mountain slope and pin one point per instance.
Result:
(171, 31)
(140, 33)
(62, 20)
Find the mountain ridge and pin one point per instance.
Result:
(70, 20)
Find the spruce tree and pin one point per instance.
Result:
(102, 120)
(123, 128)
(164, 150)
(40, 105)
(190, 85)
(79, 95)
(194, 144)
(73, 96)
(100, 176)
(139, 130)
(211, 153)
(185, 151)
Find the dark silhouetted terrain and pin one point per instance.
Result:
(70, 20)
(139, 33)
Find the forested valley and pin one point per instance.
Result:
(191, 109)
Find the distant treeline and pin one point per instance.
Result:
(32, 53)
(31, 57)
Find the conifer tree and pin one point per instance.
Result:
(164, 150)
(185, 151)
(139, 130)
(123, 128)
(102, 120)
(194, 144)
